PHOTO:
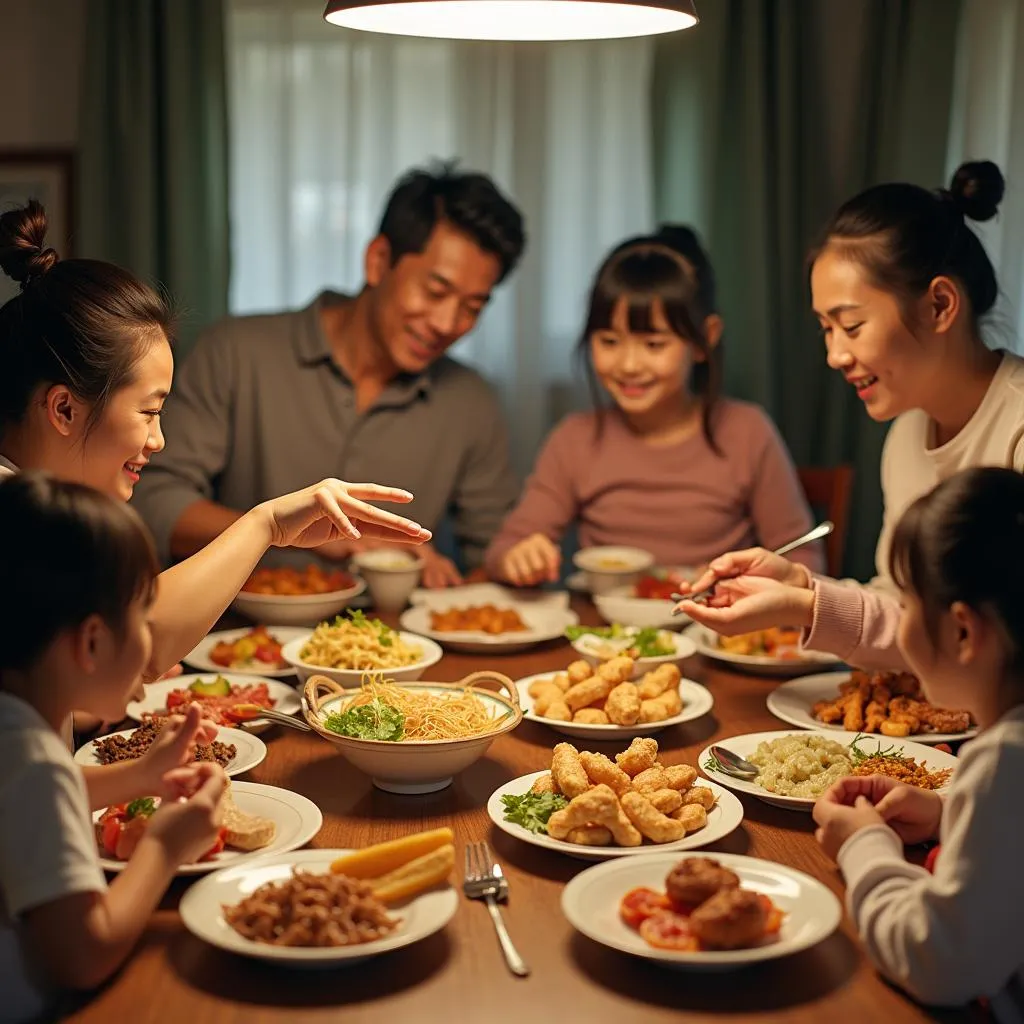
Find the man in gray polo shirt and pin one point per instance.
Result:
(358, 388)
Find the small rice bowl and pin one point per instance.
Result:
(801, 766)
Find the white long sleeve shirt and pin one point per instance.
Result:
(958, 934)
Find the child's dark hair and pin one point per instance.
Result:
(81, 323)
(670, 267)
(469, 202)
(905, 236)
(964, 541)
(71, 552)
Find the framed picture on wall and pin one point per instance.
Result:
(45, 175)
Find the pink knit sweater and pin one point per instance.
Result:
(684, 503)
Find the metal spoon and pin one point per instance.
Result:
(821, 530)
(733, 764)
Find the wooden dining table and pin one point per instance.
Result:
(458, 974)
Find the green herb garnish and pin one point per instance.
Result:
(373, 721)
(648, 642)
(141, 808)
(889, 753)
(532, 810)
(712, 764)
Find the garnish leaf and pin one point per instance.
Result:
(373, 721)
(532, 810)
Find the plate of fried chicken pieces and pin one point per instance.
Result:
(886, 703)
(593, 807)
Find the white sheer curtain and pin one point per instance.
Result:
(324, 120)
(988, 123)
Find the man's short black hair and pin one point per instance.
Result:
(470, 202)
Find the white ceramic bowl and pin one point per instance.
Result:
(608, 567)
(350, 678)
(619, 605)
(391, 577)
(295, 609)
(589, 647)
(414, 766)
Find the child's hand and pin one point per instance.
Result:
(532, 561)
(837, 822)
(174, 746)
(187, 821)
(913, 814)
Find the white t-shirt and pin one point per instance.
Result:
(956, 935)
(912, 465)
(47, 843)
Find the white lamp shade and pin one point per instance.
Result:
(530, 20)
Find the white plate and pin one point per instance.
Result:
(199, 657)
(297, 820)
(249, 750)
(285, 698)
(200, 910)
(793, 701)
(589, 644)
(697, 701)
(746, 745)
(546, 617)
(591, 904)
(706, 641)
(722, 819)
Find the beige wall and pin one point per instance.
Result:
(41, 44)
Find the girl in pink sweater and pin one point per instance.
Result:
(671, 466)
(900, 285)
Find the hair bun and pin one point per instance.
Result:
(977, 189)
(24, 255)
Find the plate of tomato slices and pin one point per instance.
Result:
(290, 821)
(255, 651)
(697, 912)
(227, 700)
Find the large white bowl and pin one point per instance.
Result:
(295, 609)
(414, 766)
(619, 605)
(350, 678)
(601, 578)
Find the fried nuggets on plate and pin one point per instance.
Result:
(606, 695)
(625, 801)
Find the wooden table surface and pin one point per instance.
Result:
(459, 974)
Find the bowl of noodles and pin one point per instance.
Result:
(349, 646)
(413, 737)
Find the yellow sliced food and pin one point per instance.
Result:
(382, 858)
(416, 876)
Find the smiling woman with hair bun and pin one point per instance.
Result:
(901, 286)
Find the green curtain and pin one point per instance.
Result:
(153, 169)
(767, 115)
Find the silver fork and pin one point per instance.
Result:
(485, 880)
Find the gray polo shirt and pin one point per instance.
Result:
(260, 408)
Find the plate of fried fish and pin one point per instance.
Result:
(884, 703)
(593, 807)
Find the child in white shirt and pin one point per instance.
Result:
(84, 573)
(955, 935)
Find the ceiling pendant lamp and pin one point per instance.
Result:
(528, 20)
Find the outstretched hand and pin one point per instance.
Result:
(333, 510)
